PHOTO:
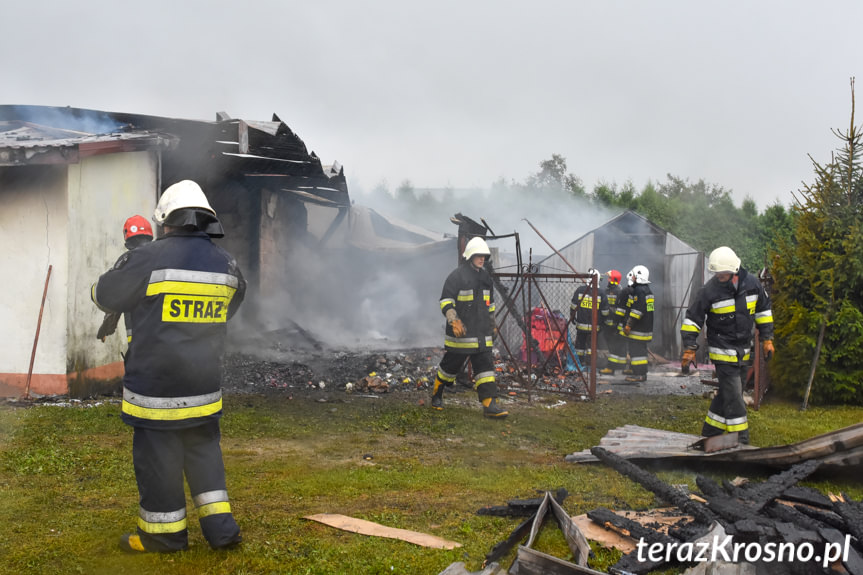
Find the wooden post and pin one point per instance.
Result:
(814, 364)
(36, 339)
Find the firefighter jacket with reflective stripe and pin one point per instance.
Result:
(620, 308)
(180, 291)
(581, 307)
(611, 293)
(471, 293)
(638, 313)
(730, 310)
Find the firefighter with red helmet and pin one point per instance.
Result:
(137, 231)
(616, 343)
(180, 291)
(581, 314)
(731, 303)
(467, 302)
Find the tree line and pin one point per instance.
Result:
(813, 249)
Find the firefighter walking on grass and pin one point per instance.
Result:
(180, 291)
(637, 324)
(732, 301)
(467, 302)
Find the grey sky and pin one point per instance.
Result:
(460, 93)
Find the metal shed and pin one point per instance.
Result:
(628, 240)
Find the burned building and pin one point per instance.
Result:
(70, 177)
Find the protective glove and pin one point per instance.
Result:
(767, 349)
(687, 360)
(109, 325)
(626, 329)
(458, 328)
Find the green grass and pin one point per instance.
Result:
(67, 489)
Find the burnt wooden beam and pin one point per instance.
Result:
(505, 546)
(852, 513)
(763, 493)
(807, 495)
(628, 527)
(652, 483)
(828, 518)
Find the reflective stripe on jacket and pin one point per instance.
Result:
(471, 293)
(582, 306)
(638, 313)
(179, 291)
(730, 311)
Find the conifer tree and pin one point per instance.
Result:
(819, 279)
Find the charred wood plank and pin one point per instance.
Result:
(533, 562)
(505, 546)
(708, 486)
(797, 516)
(629, 527)
(521, 507)
(763, 493)
(852, 513)
(807, 495)
(827, 518)
(652, 483)
(854, 562)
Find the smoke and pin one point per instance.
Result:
(560, 217)
(78, 120)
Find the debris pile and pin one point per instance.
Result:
(774, 524)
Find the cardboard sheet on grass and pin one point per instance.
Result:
(364, 527)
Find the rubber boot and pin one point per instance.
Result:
(606, 371)
(437, 394)
(131, 543)
(490, 408)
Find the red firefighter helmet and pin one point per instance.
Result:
(137, 226)
(614, 277)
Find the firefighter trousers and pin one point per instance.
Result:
(727, 412)
(616, 349)
(161, 457)
(637, 355)
(483, 368)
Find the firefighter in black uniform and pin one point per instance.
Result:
(180, 291)
(637, 324)
(616, 344)
(467, 302)
(581, 314)
(137, 231)
(732, 301)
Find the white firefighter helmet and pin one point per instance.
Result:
(476, 247)
(182, 195)
(641, 275)
(595, 272)
(630, 278)
(723, 259)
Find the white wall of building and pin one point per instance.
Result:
(32, 237)
(71, 218)
(103, 192)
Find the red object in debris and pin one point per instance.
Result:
(547, 328)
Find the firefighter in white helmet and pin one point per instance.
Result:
(637, 323)
(467, 302)
(730, 304)
(180, 291)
